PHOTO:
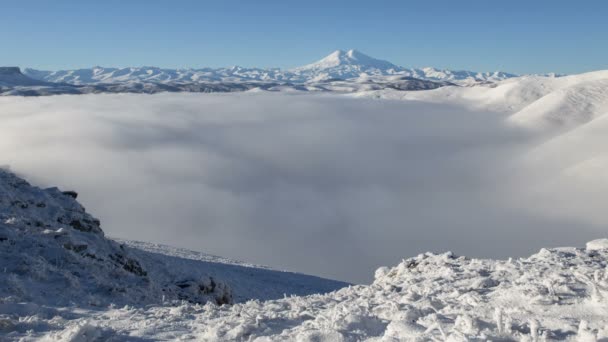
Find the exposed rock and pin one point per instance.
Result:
(70, 193)
(50, 244)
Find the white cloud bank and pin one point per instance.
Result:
(326, 185)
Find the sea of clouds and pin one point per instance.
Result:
(327, 185)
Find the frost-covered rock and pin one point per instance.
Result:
(53, 252)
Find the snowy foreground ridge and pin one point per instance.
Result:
(62, 280)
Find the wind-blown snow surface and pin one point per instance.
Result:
(556, 294)
(325, 185)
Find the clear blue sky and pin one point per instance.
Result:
(516, 36)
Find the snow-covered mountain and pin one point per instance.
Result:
(353, 64)
(350, 64)
(30, 87)
(12, 77)
(340, 71)
(345, 65)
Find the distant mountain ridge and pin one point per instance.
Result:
(12, 76)
(351, 64)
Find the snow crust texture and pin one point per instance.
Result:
(556, 294)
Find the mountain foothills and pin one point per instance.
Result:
(341, 71)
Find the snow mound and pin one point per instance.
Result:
(556, 294)
(598, 244)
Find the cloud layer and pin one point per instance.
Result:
(326, 185)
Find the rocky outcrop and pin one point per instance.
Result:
(50, 244)
(10, 71)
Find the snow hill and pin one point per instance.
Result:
(534, 102)
(339, 64)
(54, 253)
(566, 116)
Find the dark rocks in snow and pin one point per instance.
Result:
(70, 193)
(75, 247)
(85, 225)
(197, 291)
(128, 264)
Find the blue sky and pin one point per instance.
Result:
(515, 36)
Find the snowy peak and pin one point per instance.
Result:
(350, 58)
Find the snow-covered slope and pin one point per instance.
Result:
(247, 281)
(535, 102)
(567, 102)
(556, 294)
(52, 252)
